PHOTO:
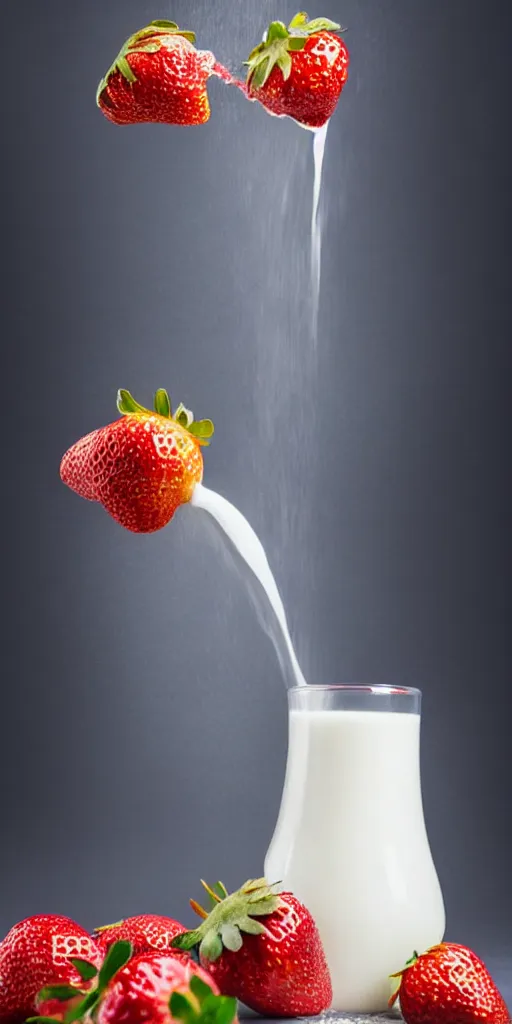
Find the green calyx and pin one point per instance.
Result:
(146, 40)
(201, 430)
(232, 916)
(86, 1007)
(202, 1006)
(279, 42)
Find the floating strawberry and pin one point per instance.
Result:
(154, 987)
(299, 71)
(142, 466)
(449, 984)
(146, 933)
(39, 951)
(264, 949)
(158, 76)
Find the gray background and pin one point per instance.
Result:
(144, 714)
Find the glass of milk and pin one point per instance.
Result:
(350, 840)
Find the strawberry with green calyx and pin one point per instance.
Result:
(449, 984)
(142, 467)
(158, 76)
(158, 987)
(83, 1003)
(263, 948)
(41, 950)
(299, 71)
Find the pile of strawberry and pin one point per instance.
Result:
(255, 945)
(297, 71)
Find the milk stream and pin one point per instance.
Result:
(319, 139)
(251, 555)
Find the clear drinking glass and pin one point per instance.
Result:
(350, 839)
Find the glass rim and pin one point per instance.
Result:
(379, 689)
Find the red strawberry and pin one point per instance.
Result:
(144, 989)
(158, 76)
(276, 965)
(299, 71)
(449, 984)
(142, 466)
(145, 932)
(36, 952)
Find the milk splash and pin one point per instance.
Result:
(249, 548)
(319, 139)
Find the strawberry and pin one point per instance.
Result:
(299, 71)
(144, 989)
(264, 949)
(142, 466)
(156, 987)
(158, 76)
(145, 932)
(449, 984)
(39, 951)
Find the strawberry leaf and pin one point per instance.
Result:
(86, 970)
(226, 1010)
(296, 43)
(183, 415)
(40, 1020)
(321, 25)
(162, 403)
(250, 927)
(126, 404)
(199, 988)
(117, 956)
(211, 946)
(125, 69)
(298, 21)
(181, 1008)
(231, 938)
(163, 23)
(82, 1008)
(60, 992)
(202, 429)
(186, 941)
(285, 63)
(276, 30)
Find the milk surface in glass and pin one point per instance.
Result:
(350, 840)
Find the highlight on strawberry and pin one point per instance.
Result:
(263, 948)
(159, 987)
(158, 76)
(142, 467)
(299, 70)
(449, 984)
(46, 949)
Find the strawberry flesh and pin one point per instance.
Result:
(147, 933)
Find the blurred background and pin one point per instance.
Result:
(143, 735)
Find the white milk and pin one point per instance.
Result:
(248, 546)
(319, 139)
(351, 843)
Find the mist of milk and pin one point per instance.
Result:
(249, 557)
